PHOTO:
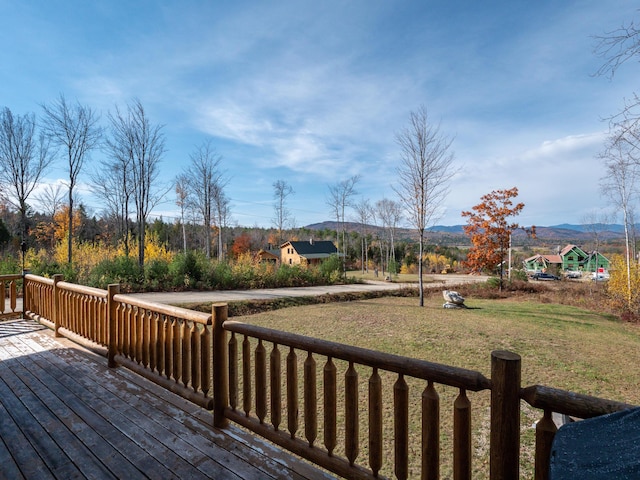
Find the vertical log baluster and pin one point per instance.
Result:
(462, 437)
(177, 350)
(138, 333)
(162, 331)
(207, 360)
(146, 337)
(246, 376)
(352, 429)
(154, 321)
(126, 339)
(330, 376)
(233, 371)
(310, 400)
(430, 433)
(401, 427)
(375, 422)
(261, 381)
(187, 358)
(275, 377)
(545, 431)
(196, 356)
(292, 392)
(168, 347)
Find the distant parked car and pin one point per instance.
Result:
(599, 276)
(544, 276)
(573, 274)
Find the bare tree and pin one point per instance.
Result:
(617, 47)
(114, 186)
(283, 218)
(136, 138)
(74, 128)
(364, 212)
(203, 180)
(340, 197)
(390, 214)
(182, 200)
(25, 158)
(51, 199)
(618, 185)
(222, 214)
(426, 167)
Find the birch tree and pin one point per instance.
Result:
(389, 212)
(75, 129)
(426, 168)
(340, 198)
(282, 215)
(619, 186)
(364, 212)
(203, 180)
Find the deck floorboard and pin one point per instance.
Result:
(64, 415)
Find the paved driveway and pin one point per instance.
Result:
(177, 298)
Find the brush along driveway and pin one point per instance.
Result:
(176, 298)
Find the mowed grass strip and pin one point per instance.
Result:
(561, 346)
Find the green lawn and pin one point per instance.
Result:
(561, 346)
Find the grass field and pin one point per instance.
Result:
(561, 346)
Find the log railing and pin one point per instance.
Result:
(311, 396)
(9, 296)
(171, 346)
(266, 372)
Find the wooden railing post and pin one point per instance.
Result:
(112, 318)
(56, 304)
(220, 367)
(505, 415)
(25, 297)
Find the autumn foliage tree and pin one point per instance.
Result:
(241, 244)
(489, 228)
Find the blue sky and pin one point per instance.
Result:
(314, 92)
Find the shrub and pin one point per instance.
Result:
(156, 273)
(331, 269)
(123, 270)
(186, 270)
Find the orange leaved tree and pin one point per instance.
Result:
(489, 228)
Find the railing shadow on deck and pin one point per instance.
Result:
(224, 366)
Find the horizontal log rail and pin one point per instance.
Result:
(271, 383)
(260, 374)
(9, 296)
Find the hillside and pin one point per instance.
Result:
(454, 235)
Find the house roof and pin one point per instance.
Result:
(570, 247)
(545, 258)
(270, 253)
(313, 247)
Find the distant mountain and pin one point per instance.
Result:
(599, 227)
(454, 234)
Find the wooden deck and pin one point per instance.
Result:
(64, 414)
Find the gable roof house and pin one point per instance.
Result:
(569, 258)
(306, 253)
(271, 255)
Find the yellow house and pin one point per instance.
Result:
(306, 253)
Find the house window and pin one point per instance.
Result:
(290, 261)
